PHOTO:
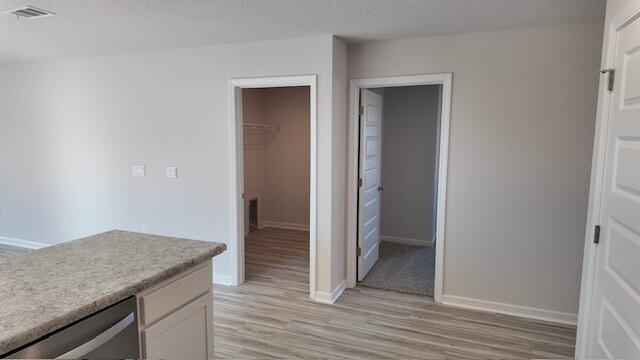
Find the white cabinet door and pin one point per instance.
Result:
(370, 187)
(614, 330)
(185, 334)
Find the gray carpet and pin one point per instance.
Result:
(7, 252)
(403, 268)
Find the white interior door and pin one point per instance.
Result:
(370, 187)
(614, 330)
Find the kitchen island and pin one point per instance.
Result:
(49, 289)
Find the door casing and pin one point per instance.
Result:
(444, 79)
(236, 245)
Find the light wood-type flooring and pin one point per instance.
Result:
(271, 316)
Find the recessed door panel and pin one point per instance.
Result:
(614, 327)
(369, 192)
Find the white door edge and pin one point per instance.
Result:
(619, 21)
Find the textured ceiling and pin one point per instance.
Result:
(96, 27)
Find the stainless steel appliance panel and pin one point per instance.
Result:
(108, 334)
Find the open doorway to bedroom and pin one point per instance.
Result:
(396, 212)
(399, 133)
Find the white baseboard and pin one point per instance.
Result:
(510, 309)
(326, 298)
(222, 279)
(406, 241)
(27, 244)
(284, 225)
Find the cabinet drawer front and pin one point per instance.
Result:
(165, 299)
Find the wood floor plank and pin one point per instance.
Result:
(271, 316)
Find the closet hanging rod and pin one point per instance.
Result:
(260, 126)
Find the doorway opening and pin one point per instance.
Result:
(276, 171)
(398, 166)
(397, 185)
(274, 160)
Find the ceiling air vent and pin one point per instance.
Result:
(29, 12)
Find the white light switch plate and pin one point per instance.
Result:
(137, 170)
(172, 171)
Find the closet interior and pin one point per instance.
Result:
(276, 144)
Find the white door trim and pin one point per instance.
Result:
(25, 244)
(444, 79)
(236, 247)
(597, 176)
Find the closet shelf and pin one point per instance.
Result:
(257, 126)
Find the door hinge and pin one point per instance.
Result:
(361, 110)
(359, 251)
(611, 77)
(596, 235)
(359, 182)
(243, 195)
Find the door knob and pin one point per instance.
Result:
(380, 188)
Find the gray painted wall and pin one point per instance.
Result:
(409, 147)
(276, 163)
(71, 129)
(522, 124)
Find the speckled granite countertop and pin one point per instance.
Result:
(44, 290)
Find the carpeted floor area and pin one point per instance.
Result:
(7, 251)
(404, 268)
